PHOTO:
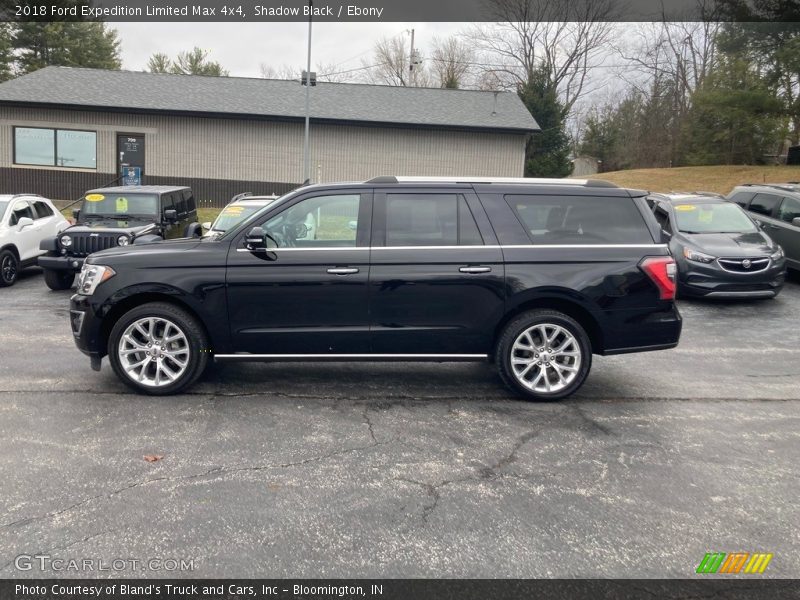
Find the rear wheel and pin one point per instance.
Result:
(9, 268)
(58, 280)
(158, 349)
(544, 355)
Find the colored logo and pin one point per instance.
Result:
(734, 562)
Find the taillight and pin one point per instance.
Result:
(662, 271)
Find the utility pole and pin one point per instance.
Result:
(411, 74)
(306, 150)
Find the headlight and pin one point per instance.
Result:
(696, 256)
(778, 254)
(65, 241)
(123, 240)
(92, 276)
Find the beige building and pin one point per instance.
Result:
(65, 130)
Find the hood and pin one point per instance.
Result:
(178, 245)
(131, 225)
(733, 245)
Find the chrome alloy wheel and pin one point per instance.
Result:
(153, 351)
(545, 358)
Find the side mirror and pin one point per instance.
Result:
(24, 222)
(796, 222)
(171, 215)
(76, 213)
(206, 225)
(256, 239)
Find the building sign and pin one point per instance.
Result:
(131, 176)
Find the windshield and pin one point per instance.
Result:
(712, 218)
(116, 204)
(233, 214)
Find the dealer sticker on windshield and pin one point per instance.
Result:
(686, 207)
(95, 198)
(122, 205)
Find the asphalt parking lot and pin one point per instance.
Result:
(406, 470)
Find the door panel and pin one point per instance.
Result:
(434, 287)
(782, 231)
(309, 295)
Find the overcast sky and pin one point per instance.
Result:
(241, 47)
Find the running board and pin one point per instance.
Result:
(245, 357)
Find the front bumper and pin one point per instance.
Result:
(712, 281)
(61, 263)
(86, 329)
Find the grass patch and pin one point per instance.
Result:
(721, 179)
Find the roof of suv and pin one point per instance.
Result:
(680, 198)
(789, 186)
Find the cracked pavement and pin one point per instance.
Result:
(406, 470)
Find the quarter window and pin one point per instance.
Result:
(742, 198)
(663, 219)
(318, 222)
(430, 220)
(580, 220)
(55, 147)
(789, 210)
(764, 204)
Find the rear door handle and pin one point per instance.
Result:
(343, 271)
(475, 269)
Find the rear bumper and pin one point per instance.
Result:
(61, 263)
(628, 331)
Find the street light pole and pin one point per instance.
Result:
(306, 157)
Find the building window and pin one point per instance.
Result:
(55, 147)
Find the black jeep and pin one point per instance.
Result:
(118, 216)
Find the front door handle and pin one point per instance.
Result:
(475, 269)
(343, 271)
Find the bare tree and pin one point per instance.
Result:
(327, 72)
(452, 62)
(282, 72)
(391, 64)
(564, 40)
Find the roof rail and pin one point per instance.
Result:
(789, 185)
(390, 179)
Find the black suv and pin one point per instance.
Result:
(118, 216)
(535, 275)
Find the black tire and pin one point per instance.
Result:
(9, 268)
(59, 280)
(195, 335)
(546, 318)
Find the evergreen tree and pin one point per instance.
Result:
(6, 58)
(547, 152)
(192, 62)
(68, 44)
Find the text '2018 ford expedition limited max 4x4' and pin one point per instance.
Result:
(534, 275)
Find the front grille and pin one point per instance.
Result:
(86, 244)
(744, 265)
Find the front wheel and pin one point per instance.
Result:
(58, 280)
(544, 355)
(158, 349)
(9, 268)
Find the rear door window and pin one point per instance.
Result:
(188, 196)
(42, 210)
(580, 220)
(764, 204)
(430, 220)
(180, 203)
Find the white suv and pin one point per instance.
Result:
(25, 220)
